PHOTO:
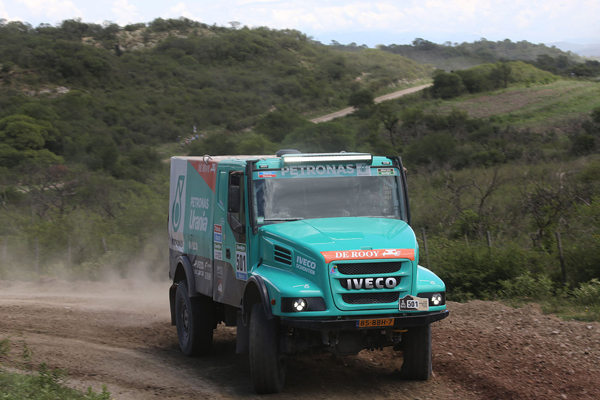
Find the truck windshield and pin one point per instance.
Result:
(279, 200)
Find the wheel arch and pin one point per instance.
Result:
(256, 292)
(183, 271)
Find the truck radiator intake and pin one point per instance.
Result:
(369, 268)
(371, 298)
(282, 255)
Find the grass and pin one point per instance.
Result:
(43, 384)
(538, 107)
(564, 308)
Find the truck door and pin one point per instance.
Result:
(231, 270)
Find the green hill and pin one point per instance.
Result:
(456, 56)
(88, 114)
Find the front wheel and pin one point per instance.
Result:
(417, 353)
(194, 320)
(267, 364)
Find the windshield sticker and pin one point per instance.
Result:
(363, 169)
(323, 171)
(368, 254)
(386, 171)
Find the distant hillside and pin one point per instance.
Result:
(589, 50)
(101, 91)
(454, 56)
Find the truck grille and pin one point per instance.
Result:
(370, 298)
(369, 268)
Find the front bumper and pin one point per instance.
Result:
(403, 321)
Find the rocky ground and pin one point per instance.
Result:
(119, 334)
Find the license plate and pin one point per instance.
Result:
(411, 303)
(373, 323)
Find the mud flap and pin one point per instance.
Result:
(243, 335)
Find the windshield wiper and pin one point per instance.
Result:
(283, 219)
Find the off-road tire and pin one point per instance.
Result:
(416, 353)
(267, 364)
(194, 320)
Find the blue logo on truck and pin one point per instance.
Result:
(176, 210)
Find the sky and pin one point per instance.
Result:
(369, 22)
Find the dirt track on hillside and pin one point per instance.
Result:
(119, 334)
(379, 99)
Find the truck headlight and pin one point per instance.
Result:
(435, 298)
(299, 305)
(302, 304)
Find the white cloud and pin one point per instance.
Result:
(124, 12)
(180, 10)
(454, 20)
(55, 10)
(3, 13)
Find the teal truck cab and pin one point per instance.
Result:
(300, 252)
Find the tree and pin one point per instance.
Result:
(217, 144)
(22, 138)
(389, 118)
(280, 122)
(446, 85)
(501, 74)
(324, 137)
(363, 101)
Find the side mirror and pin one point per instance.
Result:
(235, 225)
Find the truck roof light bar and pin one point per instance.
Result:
(335, 157)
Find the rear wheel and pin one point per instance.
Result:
(194, 320)
(267, 364)
(417, 353)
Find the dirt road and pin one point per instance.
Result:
(379, 99)
(119, 334)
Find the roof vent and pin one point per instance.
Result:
(287, 151)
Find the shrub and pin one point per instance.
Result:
(588, 293)
(478, 269)
(527, 285)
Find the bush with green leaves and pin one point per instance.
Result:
(588, 294)
(527, 286)
(478, 269)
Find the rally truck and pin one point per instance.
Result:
(300, 252)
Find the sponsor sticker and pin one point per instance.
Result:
(176, 210)
(218, 252)
(267, 174)
(198, 268)
(218, 234)
(363, 169)
(306, 265)
(368, 254)
(385, 171)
